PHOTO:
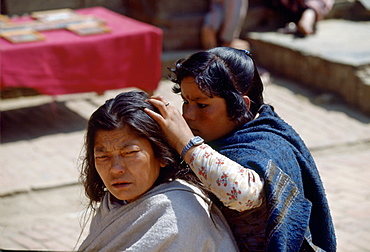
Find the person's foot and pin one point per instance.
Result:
(306, 25)
(208, 38)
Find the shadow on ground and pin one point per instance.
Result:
(33, 122)
(328, 101)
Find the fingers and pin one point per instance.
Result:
(161, 104)
(171, 121)
(157, 117)
(158, 98)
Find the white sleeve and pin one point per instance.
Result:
(238, 188)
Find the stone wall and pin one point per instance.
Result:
(180, 20)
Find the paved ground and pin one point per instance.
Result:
(41, 204)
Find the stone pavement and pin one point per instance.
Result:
(41, 204)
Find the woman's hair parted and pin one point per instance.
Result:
(126, 110)
(227, 73)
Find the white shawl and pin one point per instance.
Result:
(171, 217)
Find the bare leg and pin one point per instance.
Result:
(208, 37)
(235, 12)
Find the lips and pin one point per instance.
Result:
(120, 183)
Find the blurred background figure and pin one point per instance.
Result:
(223, 23)
(301, 15)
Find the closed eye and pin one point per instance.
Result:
(103, 157)
(200, 105)
(131, 152)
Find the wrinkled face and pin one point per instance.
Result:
(206, 116)
(125, 163)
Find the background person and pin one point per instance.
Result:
(302, 14)
(134, 174)
(255, 163)
(223, 23)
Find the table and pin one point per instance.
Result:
(128, 56)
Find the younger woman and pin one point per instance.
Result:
(259, 168)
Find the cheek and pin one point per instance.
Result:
(100, 171)
(102, 168)
(146, 167)
(104, 177)
(210, 115)
(145, 180)
(154, 170)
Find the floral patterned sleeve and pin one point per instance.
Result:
(237, 187)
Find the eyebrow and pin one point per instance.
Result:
(121, 147)
(100, 149)
(197, 99)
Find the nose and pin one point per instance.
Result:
(188, 112)
(117, 165)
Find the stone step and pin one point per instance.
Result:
(336, 59)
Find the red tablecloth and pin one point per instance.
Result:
(128, 56)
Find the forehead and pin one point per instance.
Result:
(118, 138)
(191, 91)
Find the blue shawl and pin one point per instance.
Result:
(296, 200)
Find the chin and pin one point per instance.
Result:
(206, 139)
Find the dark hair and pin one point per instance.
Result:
(225, 72)
(126, 109)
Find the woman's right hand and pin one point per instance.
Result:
(171, 121)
